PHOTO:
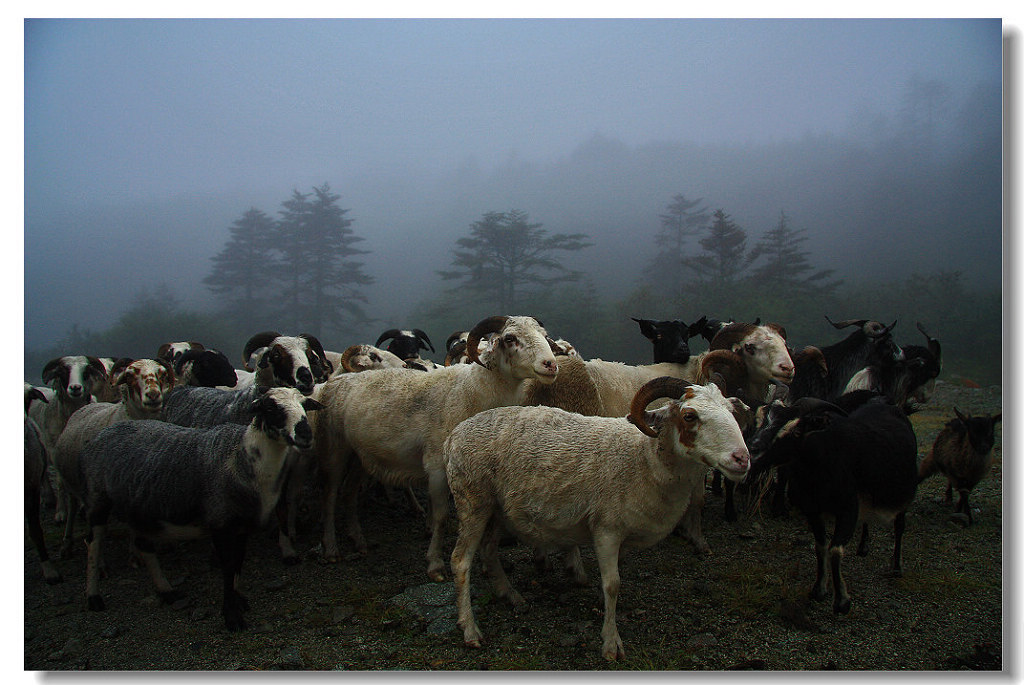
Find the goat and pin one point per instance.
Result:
(167, 481)
(910, 381)
(35, 474)
(671, 338)
(962, 452)
(396, 422)
(855, 459)
(144, 385)
(559, 480)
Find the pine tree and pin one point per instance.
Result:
(323, 282)
(242, 269)
(683, 219)
(725, 247)
(505, 254)
(785, 270)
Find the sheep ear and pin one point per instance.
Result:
(647, 328)
(309, 404)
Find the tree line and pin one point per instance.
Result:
(300, 272)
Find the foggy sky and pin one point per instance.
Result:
(144, 116)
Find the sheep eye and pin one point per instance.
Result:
(750, 348)
(510, 339)
(689, 416)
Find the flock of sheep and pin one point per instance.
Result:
(516, 428)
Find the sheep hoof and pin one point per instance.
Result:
(436, 576)
(95, 603)
(613, 650)
(960, 518)
(235, 624)
(842, 606)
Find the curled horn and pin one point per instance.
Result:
(164, 349)
(318, 350)
(346, 357)
(933, 343)
(387, 335)
(491, 324)
(423, 337)
(97, 366)
(663, 386)
(123, 363)
(725, 369)
(256, 342)
(730, 335)
(456, 349)
(777, 328)
(452, 339)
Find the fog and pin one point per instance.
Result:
(146, 139)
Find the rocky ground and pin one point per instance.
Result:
(743, 607)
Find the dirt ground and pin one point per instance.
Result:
(743, 607)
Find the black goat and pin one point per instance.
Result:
(963, 453)
(908, 382)
(855, 459)
(671, 338)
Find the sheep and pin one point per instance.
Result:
(291, 361)
(358, 358)
(172, 351)
(71, 379)
(559, 480)
(205, 368)
(405, 344)
(962, 452)
(168, 481)
(105, 390)
(144, 385)
(396, 422)
(35, 474)
(855, 459)
(671, 338)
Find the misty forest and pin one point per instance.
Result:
(890, 222)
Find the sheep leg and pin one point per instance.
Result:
(288, 508)
(862, 548)
(963, 507)
(898, 525)
(146, 550)
(716, 483)
(730, 503)
(415, 503)
(574, 565)
(230, 547)
(68, 542)
(846, 525)
(820, 587)
(94, 540)
(606, 548)
(493, 568)
(347, 473)
(779, 506)
(472, 525)
(437, 486)
(689, 527)
(35, 531)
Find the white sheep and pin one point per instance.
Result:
(558, 480)
(144, 385)
(396, 421)
(168, 481)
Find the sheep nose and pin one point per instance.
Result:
(152, 395)
(303, 434)
(741, 458)
(550, 365)
(75, 390)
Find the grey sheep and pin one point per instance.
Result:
(172, 482)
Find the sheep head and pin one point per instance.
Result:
(287, 361)
(406, 344)
(520, 347)
(670, 338)
(702, 420)
(70, 376)
(146, 383)
(762, 347)
(357, 358)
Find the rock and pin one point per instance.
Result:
(290, 659)
(442, 625)
(702, 641)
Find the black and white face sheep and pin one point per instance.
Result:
(405, 344)
(35, 473)
(143, 385)
(172, 351)
(558, 480)
(908, 382)
(170, 482)
(962, 452)
(396, 421)
(287, 361)
(205, 368)
(854, 460)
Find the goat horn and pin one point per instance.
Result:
(456, 349)
(933, 343)
(492, 324)
(663, 386)
(256, 342)
(847, 323)
(452, 339)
